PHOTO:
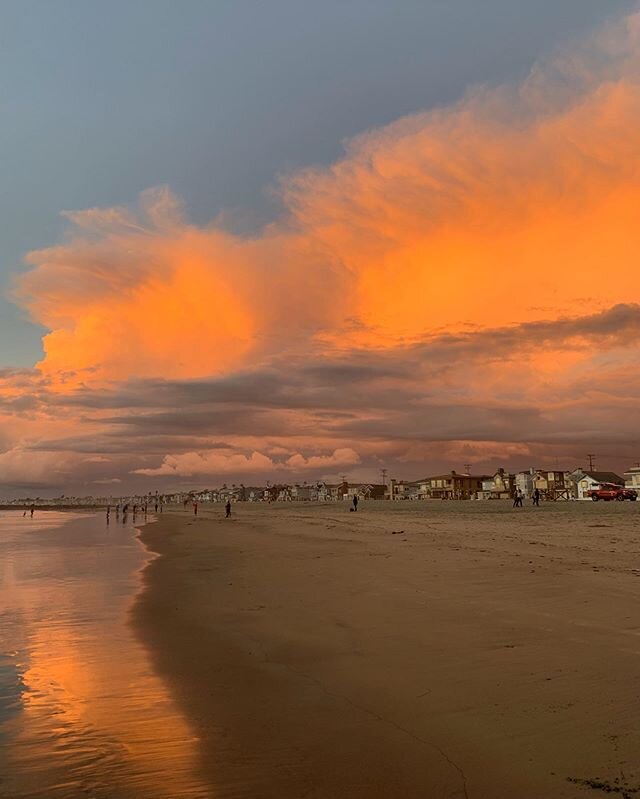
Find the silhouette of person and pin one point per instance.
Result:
(227, 508)
(536, 497)
(355, 502)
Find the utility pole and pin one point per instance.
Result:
(467, 468)
(591, 456)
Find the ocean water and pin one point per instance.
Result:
(82, 713)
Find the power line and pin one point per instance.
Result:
(591, 456)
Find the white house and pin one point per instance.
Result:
(633, 478)
(525, 481)
(589, 481)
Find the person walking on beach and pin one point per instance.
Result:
(355, 502)
(195, 508)
(536, 497)
(32, 510)
(517, 499)
(227, 508)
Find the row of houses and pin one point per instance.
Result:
(554, 485)
(298, 492)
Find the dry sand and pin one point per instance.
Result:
(480, 652)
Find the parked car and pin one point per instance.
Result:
(609, 491)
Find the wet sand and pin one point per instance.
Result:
(477, 652)
(82, 711)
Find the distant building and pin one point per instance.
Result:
(331, 492)
(304, 493)
(400, 489)
(525, 481)
(450, 486)
(502, 485)
(633, 478)
(588, 481)
(364, 491)
(554, 485)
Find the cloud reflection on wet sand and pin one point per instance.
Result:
(88, 716)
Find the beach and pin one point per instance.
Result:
(430, 649)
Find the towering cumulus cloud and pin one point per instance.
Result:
(462, 284)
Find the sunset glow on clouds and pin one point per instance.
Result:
(462, 287)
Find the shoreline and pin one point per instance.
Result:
(316, 654)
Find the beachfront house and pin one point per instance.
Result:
(304, 492)
(487, 488)
(633, 477)
(398, 489)
(254, 493)
(324, 492)
(503, 485)
(554, 485)
(331, 492)
(588, 481)
(364, 491)
(525, 481)
(375, 491)
(423, 488)
(451, 486)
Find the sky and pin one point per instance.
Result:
(285, 240)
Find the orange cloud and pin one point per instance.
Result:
(210, 463)
(515, 204)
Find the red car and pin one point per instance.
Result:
(609, 491)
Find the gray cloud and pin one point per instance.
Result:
(382, 405)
